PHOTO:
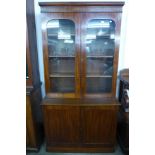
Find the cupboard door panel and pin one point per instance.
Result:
(98, 125)
(62, 124)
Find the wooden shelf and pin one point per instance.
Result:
(61, 75)
(93, 56)
(104, 76)
(55, 35)
(61, 56)
(74, 56)
(69, 75)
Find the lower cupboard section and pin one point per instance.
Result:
(80, 127)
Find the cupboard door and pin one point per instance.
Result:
(61, 55)
(99, 53)
(98, 125)
(62, 125)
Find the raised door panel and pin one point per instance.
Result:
(61, 54)
(99, 46)
(62, 125)
(98, 125)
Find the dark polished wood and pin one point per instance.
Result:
(80, 149)
(62, 124)
(29, 67)
(123, 119)
(80, 19)
(34, 127)
(119, 3)
(86, 17)
(123, 130)
(124, 82)
(104, 120)
(30, 126)
(81, 7)
(80, 121)
(75, 18)
(80, 125)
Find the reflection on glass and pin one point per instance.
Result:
(61, 66)
(62, 84)
(61, 37)
(99, 85)
(100, 37)
(99, 66)
(61, 48)
(100, 46)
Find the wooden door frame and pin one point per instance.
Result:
(75, 18)
(116, 17)
(28, 62)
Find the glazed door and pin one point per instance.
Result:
(61, 54)
(99, 44)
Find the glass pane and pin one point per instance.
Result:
(99, 67)
(61, 37)
(61, 52)
(98, 85)
(62, 85)
(62, 66)
(100, 47)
